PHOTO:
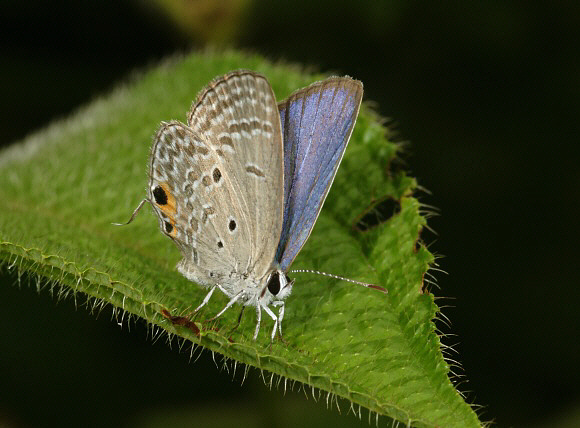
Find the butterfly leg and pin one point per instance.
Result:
(280, 314)
(274, 317)
(258, 320)
(205, 299)
(229, 305)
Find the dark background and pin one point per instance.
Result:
(487, 94)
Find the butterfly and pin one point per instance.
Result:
(239, 188)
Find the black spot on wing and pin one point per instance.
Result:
(159, 195)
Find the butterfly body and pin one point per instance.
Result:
(239, 187)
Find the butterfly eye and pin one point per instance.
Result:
(274, 283)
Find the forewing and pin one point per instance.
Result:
(317, 122)
(237, 117)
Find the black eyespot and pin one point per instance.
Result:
(220, 244)
(274, 283)
(217, 175)
(168, 227)
(160, 195)
(232, 225)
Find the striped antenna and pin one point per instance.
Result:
(364, 284)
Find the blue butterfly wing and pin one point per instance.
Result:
(316, 122)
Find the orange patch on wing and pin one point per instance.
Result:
(173, 232)
(169, 209)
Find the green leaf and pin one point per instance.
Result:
(64, 186)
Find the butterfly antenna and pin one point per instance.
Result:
(364, 284)
(134, 213)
